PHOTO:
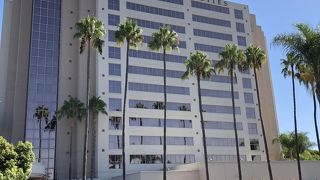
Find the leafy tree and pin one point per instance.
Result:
(289, 66)
(232, 56)
(41, 113)
(15, 162)
(166, 40)
(130, 33)
(289, 144)
(199, 65)
(73, 110)
(96, 106)
(90, 32)
(310, 155)
(255, 58)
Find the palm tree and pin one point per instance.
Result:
(306, 77)
(306, 44)
(167, 40)
(89, 31)
(289, 65)
(73, 110)
(41, 113)
(96, 106)
(232, 56)
(288, 144)
(255, 58)
(130, 33)
(199, 65)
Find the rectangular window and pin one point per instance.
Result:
(240, 27)
(210, 7)
(180, 141)
(146, 159)
(158, 88)
(115, 104)
(111, 36)
(182, 44)
(113, 20)
(221, 125)
(211, 34)
(226, 158)
(114, 5)
(114, 69)
(155, 10)
(224, 141)
(242, 41)
(252, 128)
(254, 144)
(115, 123)
(218, 93)
(115, 142)
(157, 25)
(155, 122)
(207, 48)
(142, 104)
(174, 1)
(238, 14)
(251, 113)
(154, 72)
(223, 79)
(213, 21)
(115, 162)
(220, 109)
(248, 98)
(246, 83)
(114, 86)
(114, 52)
(180, 159)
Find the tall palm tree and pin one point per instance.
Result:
(41, 113)
(96, 106)
(232, 56)
(289, 66)
(199, 65)
(167, 40)
(89, 31)
(130, 33)
(73, 110)
(255, 58)
(306, 77)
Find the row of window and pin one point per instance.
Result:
(211, 34)
(226, 158)
(173, 106)
(154, 10)
(213, 21)
(146, 39)
(154, 72)
(218, 93)
(211, 141)
(207, 48)
(115, 122)
(157, 25)
(158, 88)
(210, 7)
(156, 56)
(115, 141)
(220, 109)
(221, 125)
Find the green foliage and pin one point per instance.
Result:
(15, 162)
(71, 109)
(90, 30)
(165, 38)
(129, 32)
(288, 144)
(198, 64)
(255, 57)
(42, 112)
(97, 105)
(310, 155)
(231, 57)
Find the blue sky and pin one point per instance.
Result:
(276, 17)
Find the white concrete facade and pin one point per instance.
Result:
(103, 78)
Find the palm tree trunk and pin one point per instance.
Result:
(70, 151)
(235, 125)
(124, 115)
(93, 146)
(204, 140)
(40, 141)
(262, 125)
(315, 116)
(295, 122)
(164, 116)
(85, 149)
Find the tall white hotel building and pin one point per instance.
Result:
(40, 64)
